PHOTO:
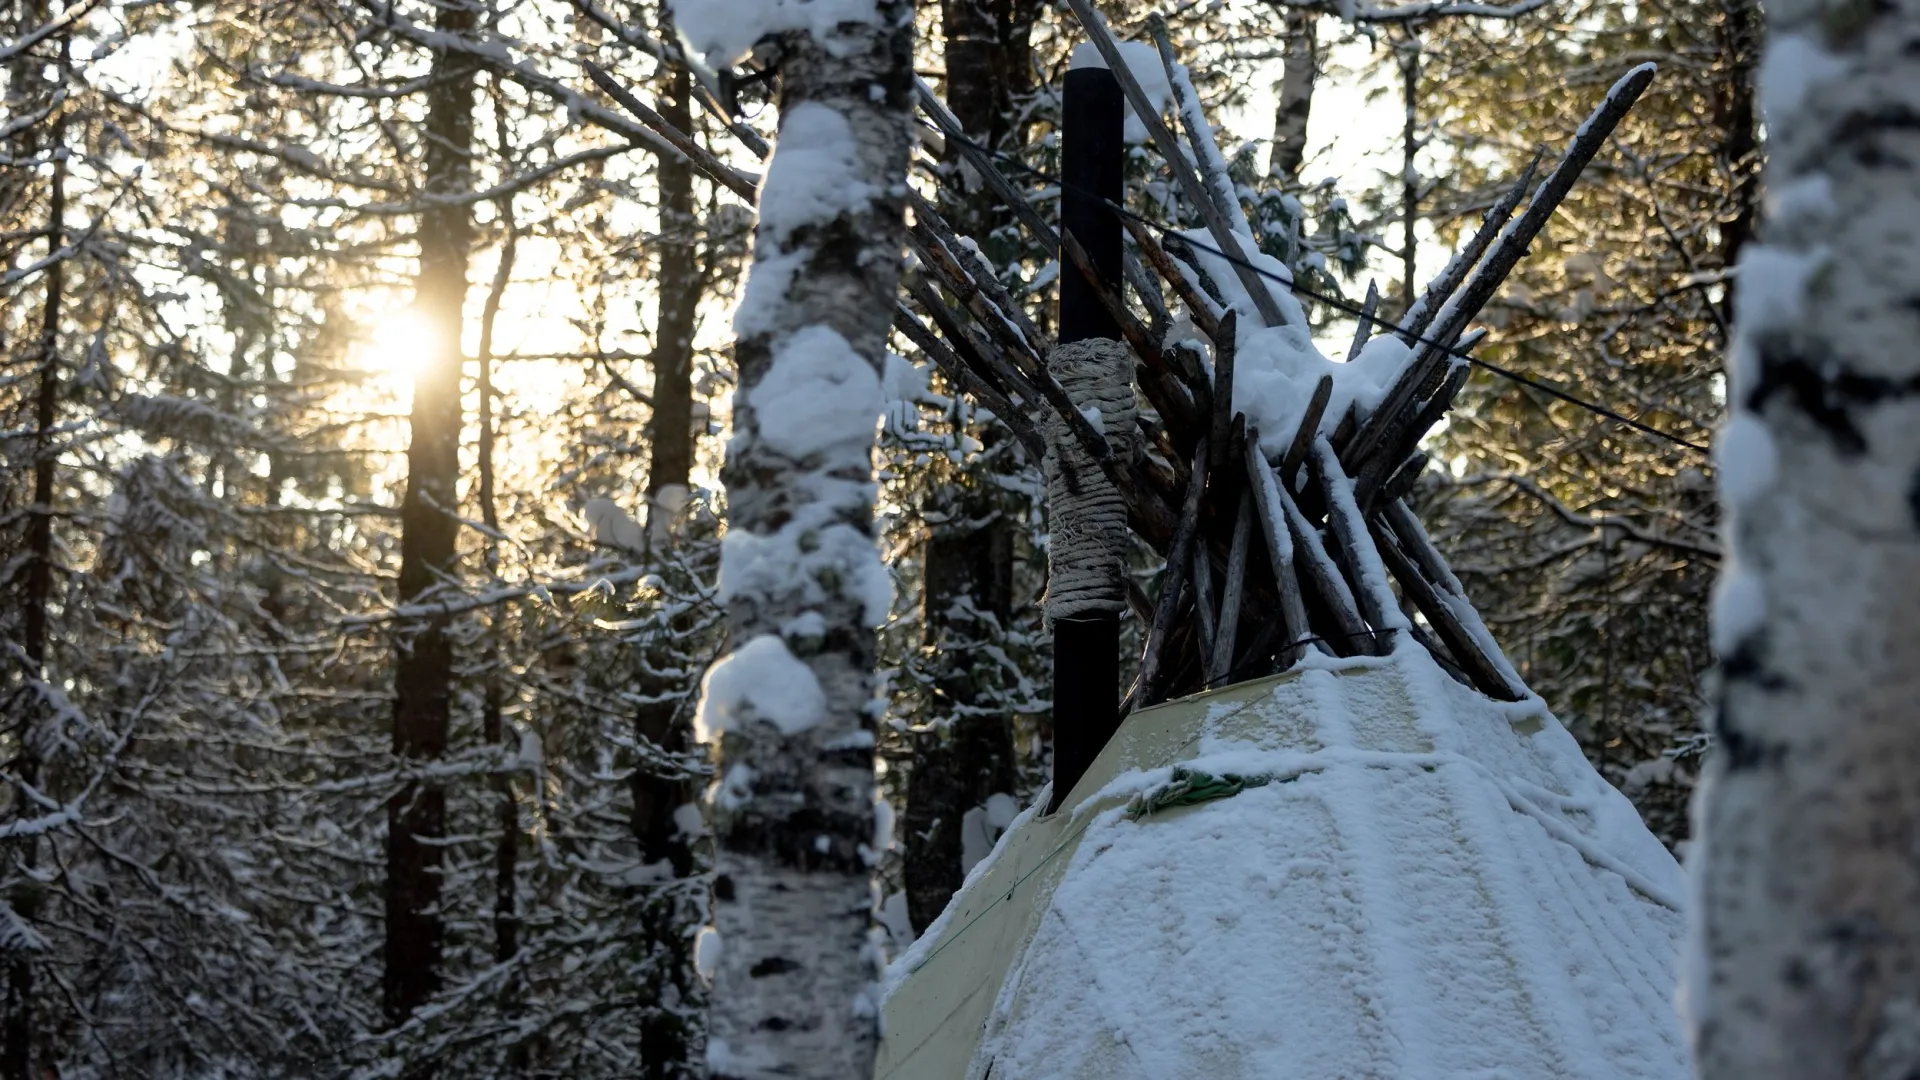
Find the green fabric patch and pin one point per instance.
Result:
(1189, 787)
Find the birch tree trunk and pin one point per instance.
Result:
(423, 668)
(1806, 961)
(804, 587)
(1295, 102)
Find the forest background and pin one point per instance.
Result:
(349, 345)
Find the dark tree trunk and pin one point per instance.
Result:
(681, 288)
(17, 1036)
(989, 61)
(506, 851)
(669, 1034)
(968, 574)
(416, 814)
(1740, 146)
(969, 554)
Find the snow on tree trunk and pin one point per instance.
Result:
(1806, 960)
(793, 810)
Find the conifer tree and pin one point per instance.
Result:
(31, 573)
(429, 522)
(1590, 548)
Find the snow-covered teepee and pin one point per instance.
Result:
(1380, 857)
(1358, 868)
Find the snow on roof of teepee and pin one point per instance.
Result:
(1359, 868)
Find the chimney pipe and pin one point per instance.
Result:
(1087, 550)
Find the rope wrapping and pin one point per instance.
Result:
(1087, 548)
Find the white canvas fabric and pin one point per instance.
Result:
(1415, 882)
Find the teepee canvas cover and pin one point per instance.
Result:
(1359, 868)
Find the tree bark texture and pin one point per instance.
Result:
(17, 1035)
(423, 669)
(793, 813)
(967, 590)
(1295, 103)
(1738, 123)
(989, 62)
(670, 1038)
(1806, 962)
(681, 287)
(968, 556)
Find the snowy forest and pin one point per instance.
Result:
(535, 534)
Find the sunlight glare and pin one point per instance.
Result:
(400, 343)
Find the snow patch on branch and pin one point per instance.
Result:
(1277, 367)
(17, 935)
(1277, 277)
(612, 525)
(1213, 165)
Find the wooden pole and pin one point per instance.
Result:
(1086, 645)
(1172, 583)
(1279, 537)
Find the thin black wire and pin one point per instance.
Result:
(1343, 305)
